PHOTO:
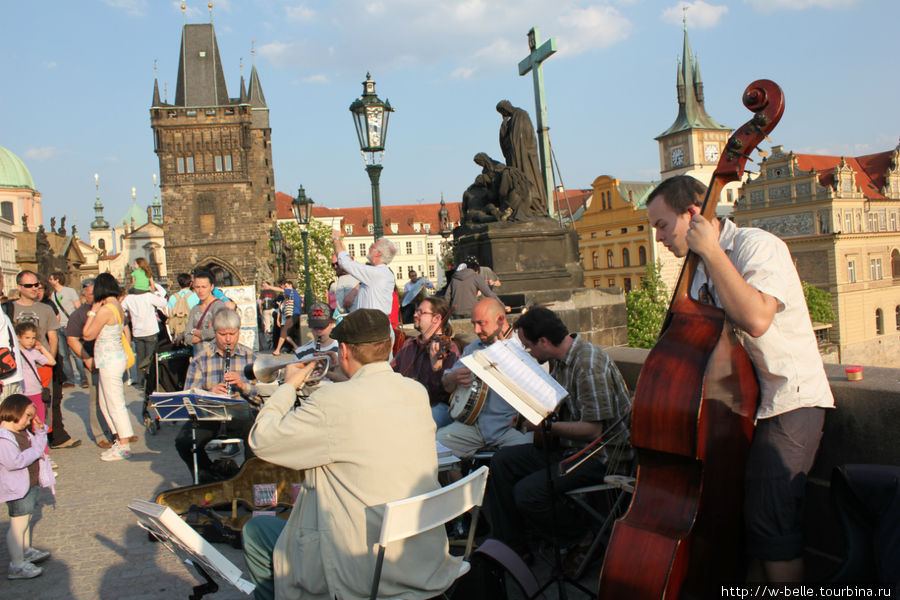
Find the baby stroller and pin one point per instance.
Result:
(167, 371)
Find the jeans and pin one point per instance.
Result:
(259, 535)
(65, 355)
(144, 346)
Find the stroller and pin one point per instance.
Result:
(167, 370)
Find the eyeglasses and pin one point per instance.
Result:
(30, 285)
(422, 312)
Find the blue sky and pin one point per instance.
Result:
(78, 82)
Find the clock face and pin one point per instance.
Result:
(711, 151)
(677, 156)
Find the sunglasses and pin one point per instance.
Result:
(30, 285)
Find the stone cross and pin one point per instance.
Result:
(532, 62)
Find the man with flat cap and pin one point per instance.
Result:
(353, 467)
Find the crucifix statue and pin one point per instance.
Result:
(538, 54)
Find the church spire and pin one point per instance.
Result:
(156, 99)
(257, 99)
(689, 89)
(99, 222)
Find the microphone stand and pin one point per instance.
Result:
(558, 576)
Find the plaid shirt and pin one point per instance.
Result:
(208, 369)
(596, 389)
(413, 361)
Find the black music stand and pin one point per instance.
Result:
(193, 406)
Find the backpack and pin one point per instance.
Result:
(178, 318)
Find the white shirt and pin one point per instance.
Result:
(786, 357)
(342, 287)
(376, 283)
(141, 309)
(9, 340)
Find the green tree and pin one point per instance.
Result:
(646, 308)
(320, 251)
(818, 301)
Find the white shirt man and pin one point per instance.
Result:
(376, 281)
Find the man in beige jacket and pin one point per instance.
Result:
(363, 442)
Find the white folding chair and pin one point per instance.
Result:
(411, 516)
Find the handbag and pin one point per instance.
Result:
(126, 344)
(8, 358)
(45, 392)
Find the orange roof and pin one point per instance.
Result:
(361, 216)
(870, 170)
(576, 199)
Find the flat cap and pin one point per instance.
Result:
(363, 326)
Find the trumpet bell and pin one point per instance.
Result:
(265, 369)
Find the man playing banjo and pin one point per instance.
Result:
(494, 424)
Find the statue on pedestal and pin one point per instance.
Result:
(519, 145)
(501, 193)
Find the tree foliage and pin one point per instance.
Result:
(646, 308)
(818, 301)
(320, 251)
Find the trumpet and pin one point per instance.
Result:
(265, 368)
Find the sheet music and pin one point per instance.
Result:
(193, 404)
(509, 370)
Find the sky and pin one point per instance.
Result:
(78, 82)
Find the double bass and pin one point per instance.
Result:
(692, 423)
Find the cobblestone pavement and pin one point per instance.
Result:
(98, 551)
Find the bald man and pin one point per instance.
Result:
(494, 425)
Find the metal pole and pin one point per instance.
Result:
(374, 172)
(307, 297)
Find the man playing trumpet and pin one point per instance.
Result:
(341, 436)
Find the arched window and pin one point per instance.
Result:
(897, 314)
(596, 260)
(895, 264)
(6, 211)
(626, 258)
(879, 321)
(609, 258)
(642, 256)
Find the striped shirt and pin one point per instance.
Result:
(596, 389)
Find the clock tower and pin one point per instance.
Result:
(691, 145)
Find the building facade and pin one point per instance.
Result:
(840, 217)
(20, 202)
(215, 164)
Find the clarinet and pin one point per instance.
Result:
(227, 368)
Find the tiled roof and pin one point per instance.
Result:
(361, 216)
(576, 199)
(870, 170)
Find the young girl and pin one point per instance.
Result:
(36, 355)
(23, 467)
(141, 276)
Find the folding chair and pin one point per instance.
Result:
(412, 516)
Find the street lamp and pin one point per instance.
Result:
(370, 116)
(302, 207)
(277, 240)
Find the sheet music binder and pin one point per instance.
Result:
(189, 404)
(509, 370)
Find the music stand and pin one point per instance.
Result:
(193, 406)
(189, 546)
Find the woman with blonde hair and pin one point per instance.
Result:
(104, 324)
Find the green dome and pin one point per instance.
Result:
(13, 172)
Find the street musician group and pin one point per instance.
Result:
(367, 436)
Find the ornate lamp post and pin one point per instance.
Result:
(370, 115)
(446, 231)
(302, 207)
(277, 240)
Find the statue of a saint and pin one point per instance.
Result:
(62, 226)
(519, 146)
(53, 224)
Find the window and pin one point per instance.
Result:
(417, 227)
(851, 271)
(190, 164)
(351, 250)
(598, 283)
(895, 264)
(6, 211)
(848, 223)
(596, 260)
(624, 230)
(609, 258)
(179, 164)
(431, 274)
(348, 229)
(626, 258)
(611, 282)
(399, 273)
(228, 166)
(642, 255)
(872, 222)
(219, 165)
(627, 284)
(430, 247)
(897, 316)
(427, 227)
(408, 246)
(821, 335)
(371, 228)
(893, 222)
(879, 321)
(362, 249)
(875, 268)
(419, 246)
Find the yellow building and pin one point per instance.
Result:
(614, 237)
(840, 217)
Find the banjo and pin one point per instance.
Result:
(467, 401)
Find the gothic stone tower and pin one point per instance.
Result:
(215, 165)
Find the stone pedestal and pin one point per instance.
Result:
(528, 257)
